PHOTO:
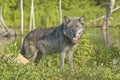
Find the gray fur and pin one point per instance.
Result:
(57, 39)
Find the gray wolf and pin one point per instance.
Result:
(62, 38)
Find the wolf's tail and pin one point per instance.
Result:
(22, 50)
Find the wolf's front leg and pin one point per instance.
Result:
(70, 55)
(62, 57)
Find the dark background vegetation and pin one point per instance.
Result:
(47, 11)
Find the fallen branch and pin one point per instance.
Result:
(21, 59)
(104, 15)
(2, 23)
(4, 32)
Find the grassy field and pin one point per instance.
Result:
(92, 61)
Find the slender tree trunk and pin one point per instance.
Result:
(31, 15)
(32, 20)
(104, 27)
(60, 8)
(22, 22)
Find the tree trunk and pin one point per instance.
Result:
(22, 22)
(60, 8)
(104, 27)
(32, 20)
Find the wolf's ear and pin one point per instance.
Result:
(66, 19)
(81, 20)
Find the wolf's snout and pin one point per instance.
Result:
(74, 34)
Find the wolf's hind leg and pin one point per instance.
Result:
(38, 57)
(32, 52)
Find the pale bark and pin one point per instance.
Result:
(32, 20)
(60, 8)
(104, 27)
(22, 18)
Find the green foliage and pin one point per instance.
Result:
(12, 49)
(106, 56)
(102, 55)
(92, 61)
(47, 12)
(83, 53)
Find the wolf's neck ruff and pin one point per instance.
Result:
(73, 40)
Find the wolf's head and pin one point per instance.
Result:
(73, 28)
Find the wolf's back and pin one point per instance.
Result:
(33, 36)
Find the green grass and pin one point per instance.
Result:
(92, 61)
